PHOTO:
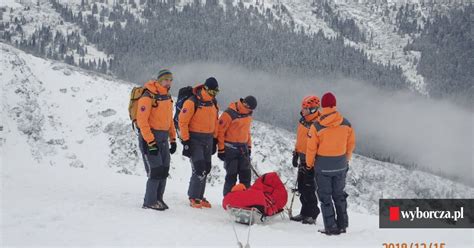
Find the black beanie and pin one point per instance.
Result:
(251, 101)
(211, 83)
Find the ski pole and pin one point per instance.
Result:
(290, 209)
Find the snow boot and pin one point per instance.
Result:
(164, 204)
(330, 232)
(298, 218)
(195, 203)
(309, 220)
(157, 206)
(205, 203)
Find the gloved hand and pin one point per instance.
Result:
(172, 147)
(152, 148)
(214, 146)
(304, 168)
(221, 155)
(186, 148)
(295, 159)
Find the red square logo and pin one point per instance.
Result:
(394, 213)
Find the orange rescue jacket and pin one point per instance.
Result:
(234, 125)
(302, 131)
(331, 136)
(203, 120)
(154, 114)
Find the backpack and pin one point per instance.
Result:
(184, 94)
(135, 95)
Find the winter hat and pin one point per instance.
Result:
(250, 101)
(211, 84)
(328, 100)
(164, 74)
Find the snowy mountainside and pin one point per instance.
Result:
(385, 47)
(24, 19)
(71, 117)
(376, 20)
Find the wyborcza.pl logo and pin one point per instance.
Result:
(426, 213)
(395, 214)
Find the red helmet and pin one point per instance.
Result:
(310, 102)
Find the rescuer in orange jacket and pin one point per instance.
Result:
(235, 143)
(306, 183)
(155, 123)
(331, 141)
(198, 125)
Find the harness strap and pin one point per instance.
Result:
(156, 97)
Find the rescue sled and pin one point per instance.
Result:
(266, 197)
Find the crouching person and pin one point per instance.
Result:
(329, 149)
(234, 141)
(156, 128)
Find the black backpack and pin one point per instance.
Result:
(184, 94)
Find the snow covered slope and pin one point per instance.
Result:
(65, 133)
(61, 206)
(375, 19)
(33, 15)
(387, 45)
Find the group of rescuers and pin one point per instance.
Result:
(324, 144)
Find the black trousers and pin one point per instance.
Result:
(236, 164)
(307, 190)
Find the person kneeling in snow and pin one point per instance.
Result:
(331, 141)
(155, 123)
(235, 143)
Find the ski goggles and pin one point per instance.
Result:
(211, 92)
(312, 110)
